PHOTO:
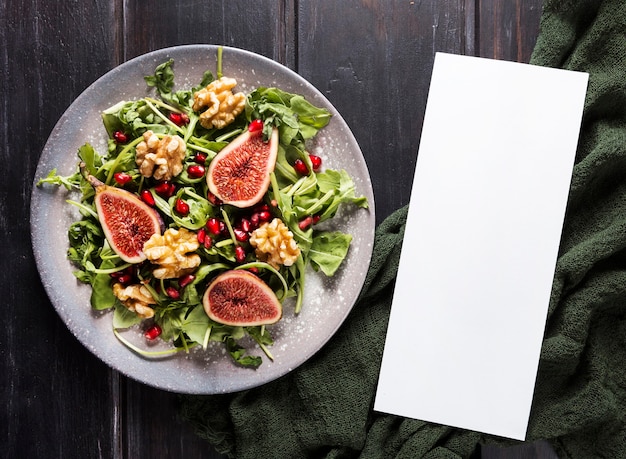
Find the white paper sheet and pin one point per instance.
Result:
(482, 235)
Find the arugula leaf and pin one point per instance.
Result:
(240, 355)
(310, 117)
(102, 296)
(297, 119)
(171, 321)
(263, 338)
(162, 80)
(343, 185)
(200, 209)
(134, 117)
(207, 79)
(195, 324)
(221, 332)
(123, 317)
(69, 182)
(90, 157)
(328, 251)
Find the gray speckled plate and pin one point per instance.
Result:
(297, 338)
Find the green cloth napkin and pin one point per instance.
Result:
(324, 408)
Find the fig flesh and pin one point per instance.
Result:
(127, 221)
(240, 173)
(240, 298)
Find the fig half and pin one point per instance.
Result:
(240, 298)
(240, 173)
(127, 221)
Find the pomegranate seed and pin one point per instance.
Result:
(125, 279)
(305, 223)
(300, 167)
(120, 137)
(172, 293)
(185, 280)
(201, 235)
(153, 332)
(254, 221)
(240, 254)
(122, 178)
(213, 199)
(316, 219)
(147, 197)
(240, 235)
(316, 161)
(244, 224)
(262, 207)
(165, 189)
(255, 125)
(179, 119)
(195, 171)
(264, 216)
(200, 158)
(181, 207)
(213, 225)
(208, 242)
(253, 269)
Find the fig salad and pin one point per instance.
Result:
(199, 221)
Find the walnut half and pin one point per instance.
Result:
(172, 252)
(136, 298)
(160, 158)
(275, 244)
(222, 106)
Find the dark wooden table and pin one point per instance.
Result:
(371, 58)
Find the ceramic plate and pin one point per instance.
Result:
(327, 301)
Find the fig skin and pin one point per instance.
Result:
(126, 230)
(230, 176)
(240, 298)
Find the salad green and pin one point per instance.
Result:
(301, 201)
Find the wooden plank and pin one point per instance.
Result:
(58, 399)
(152, 427)
(373, 60)
(507, 29)
(265, 28)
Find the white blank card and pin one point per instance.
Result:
(482, 236)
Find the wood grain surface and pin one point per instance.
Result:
(371, 58)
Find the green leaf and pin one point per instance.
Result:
(171, 322)
(162, 80)
(343, 185)
(310, 116)
(328, 251)
(240, 355)
(296, 118)
(123, 317)
(196, 324)
(69, 182)
(91, 159)
(102, 296)
(263, 338)
(200, 209)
